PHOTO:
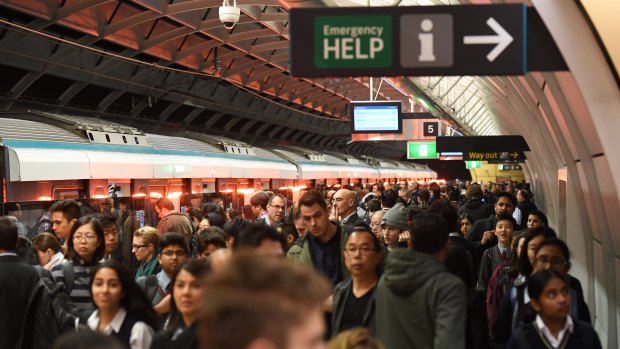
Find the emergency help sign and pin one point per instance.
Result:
(352, 41)
(410, 41)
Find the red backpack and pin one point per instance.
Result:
(498, 285)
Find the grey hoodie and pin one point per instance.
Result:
(21, 228)
(420, 304)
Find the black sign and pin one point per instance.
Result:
(494, 156)
(408, 41)
(431, 129)
(482, 144)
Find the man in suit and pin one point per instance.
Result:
(344, 205)
(17, 279)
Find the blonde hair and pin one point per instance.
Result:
(149, 235)
(357, 338)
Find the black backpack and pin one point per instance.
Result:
(34, 231)
(48, 315)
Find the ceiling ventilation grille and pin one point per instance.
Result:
(316, 157)
(234, 149)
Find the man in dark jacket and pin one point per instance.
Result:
(525, 205)
(474, 206)
(420, 304)
(17, 280)
(354, 298)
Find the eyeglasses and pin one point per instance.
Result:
(174, 253)
(372, 225)
(556, 261)
(363, 250)
(277, 207)
(135, 247)
(87, 237)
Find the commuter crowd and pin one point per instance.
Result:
(376, 266)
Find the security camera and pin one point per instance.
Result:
(229, 15)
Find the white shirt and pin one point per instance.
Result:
(141, 333)
(555, 342)
(56, 259)
(502, 248)
(516, 214)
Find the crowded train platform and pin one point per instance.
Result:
(455, 265)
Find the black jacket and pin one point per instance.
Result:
(526, 207)
(512, 316)
(354, 220)
(341, 295)
(476, 209)
(17, 281)
(475, 236)
(469, 247)
(527, 337)
(188, 339)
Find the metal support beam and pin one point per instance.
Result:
(231, 123)
(192, 115)
(213, 119)
(169, 110)
(272, 133)
(248, 125)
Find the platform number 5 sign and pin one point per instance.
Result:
(431, 129)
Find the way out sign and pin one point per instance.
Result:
(408, 41)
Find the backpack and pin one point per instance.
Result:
(49, 314)
(67, 270)
(34, 231)
(148, 284)
(499, 283)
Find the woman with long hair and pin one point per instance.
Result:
(466, 222)
(122, 309)
(85, 248)
(187, 293)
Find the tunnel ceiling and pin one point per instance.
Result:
(158, 62)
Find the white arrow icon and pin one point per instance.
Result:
(502, 39)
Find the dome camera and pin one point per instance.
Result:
(229, 15)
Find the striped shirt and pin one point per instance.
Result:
(80, 293)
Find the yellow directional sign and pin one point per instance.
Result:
(494, 156)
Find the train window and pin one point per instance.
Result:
(136, 139)
(125, 139)
(107, 138)
(90, 136)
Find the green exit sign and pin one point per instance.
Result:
(353, 41)
(473, 164)
(422, 150)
